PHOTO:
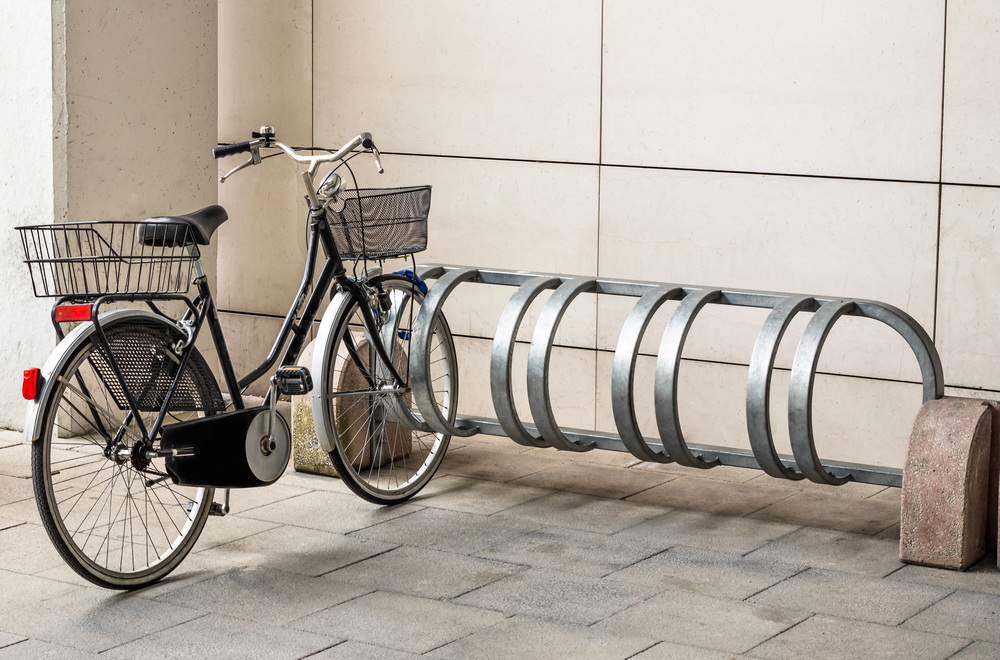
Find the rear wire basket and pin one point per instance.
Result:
(97, 258)
(377, 223)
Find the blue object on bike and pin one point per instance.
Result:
(406, 272)
(403, 334)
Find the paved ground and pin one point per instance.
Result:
(514, 553)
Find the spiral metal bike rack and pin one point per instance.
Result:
(670, 446)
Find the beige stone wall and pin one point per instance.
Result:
(110, 114)
(787, 146)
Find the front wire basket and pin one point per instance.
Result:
(90, 259)
(377, 223)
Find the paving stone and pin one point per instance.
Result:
(585, 512)
(315, 482)
(451, 531)
(26, 549)
(852, 489)
(15, 489)
(7, 524)
(694, 619)
(617, 459)
(243, 500)
(8, 437)
(723, 498)
(889, 533)
(23, 511)
(851, 596)
(521, 637)
(7, 639)
(670, 651)
(297, 550)
(593, 479)
(220, 637)
(816, 509)
(486, 462)
(978, 651)
(358, 651)
(425, 573)
(34, 649)
(94, 620)
(718, 473)
(572, 551)
(328, 511)
(840, 551)
(699, 529)
(15, 461)
(547, 594)
(984, 577)
(18, 591)
(838, 639)
(474, 495)
(219, 531)
(708, 572)
(265, 595)
(963, 614)
(401, 622)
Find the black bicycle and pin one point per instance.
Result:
(131, 433)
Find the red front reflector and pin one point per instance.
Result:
(73, 313)
(29, 389)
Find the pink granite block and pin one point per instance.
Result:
(993, 517)
(945, 481)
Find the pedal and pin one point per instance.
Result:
(293, 381)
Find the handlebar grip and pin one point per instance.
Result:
(237, 148)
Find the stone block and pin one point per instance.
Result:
(945, 478)
(307, 455)
(993, 496)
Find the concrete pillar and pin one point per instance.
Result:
(945, 479)
(113, 108)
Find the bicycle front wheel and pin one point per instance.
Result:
(368, 420)
(111, 511)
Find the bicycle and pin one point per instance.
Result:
(131, 434)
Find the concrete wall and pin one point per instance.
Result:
(26, 190)
(845, 149)
(110, 112)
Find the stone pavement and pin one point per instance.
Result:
(514, 553)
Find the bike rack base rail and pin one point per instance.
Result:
(671, 445)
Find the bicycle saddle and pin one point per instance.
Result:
(167, 231)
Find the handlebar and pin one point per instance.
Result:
(266, 140)
(231, 149)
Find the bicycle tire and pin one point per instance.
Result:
(104, 516)
(380, 460)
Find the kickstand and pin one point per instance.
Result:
(220, 509)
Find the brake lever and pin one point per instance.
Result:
(253, 160)
(377, 156)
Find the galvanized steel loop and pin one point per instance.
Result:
(420, 349)
(623, 371)
(539, 355)
(800, 392)
(759, 384)
(668, 362)
(502, 356)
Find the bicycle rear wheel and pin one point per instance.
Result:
(374, 450)
(113, 515)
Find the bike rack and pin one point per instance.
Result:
(671, 446)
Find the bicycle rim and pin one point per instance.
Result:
(375, 453)
(115, 524)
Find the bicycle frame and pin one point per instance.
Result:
(304, 308)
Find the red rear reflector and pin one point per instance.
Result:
(73, 313)
(29, 389)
